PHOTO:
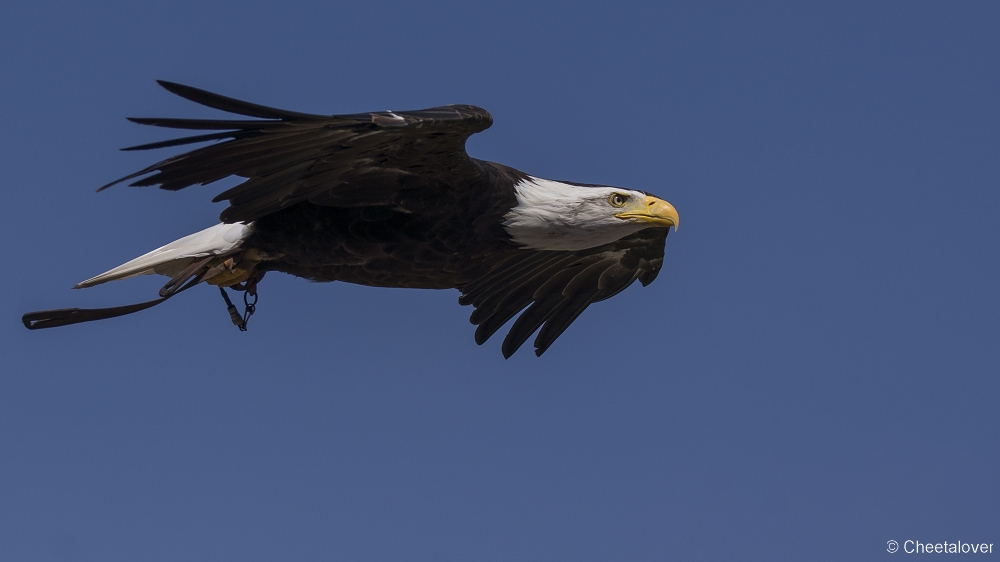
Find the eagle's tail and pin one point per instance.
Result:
(215, 255)
(172, 259)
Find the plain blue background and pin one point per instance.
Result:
(814, 373)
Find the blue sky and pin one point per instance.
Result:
(814, 373)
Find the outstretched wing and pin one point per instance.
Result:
(289, 157)
(558, 286)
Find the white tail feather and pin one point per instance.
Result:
(174, 257)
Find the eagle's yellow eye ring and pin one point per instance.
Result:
(617, 200)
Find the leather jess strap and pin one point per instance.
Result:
(65, 316)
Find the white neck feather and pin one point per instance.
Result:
(552, 215)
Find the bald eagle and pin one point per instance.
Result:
(391, 199)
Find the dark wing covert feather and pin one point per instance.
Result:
(290, 157)
(558, 286)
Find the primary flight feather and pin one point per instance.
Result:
(391, 199)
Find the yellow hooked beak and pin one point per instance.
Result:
(655, 211)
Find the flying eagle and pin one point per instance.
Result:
(391, 199)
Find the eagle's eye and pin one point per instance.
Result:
(618, 200)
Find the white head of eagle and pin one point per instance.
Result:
(552, 215)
